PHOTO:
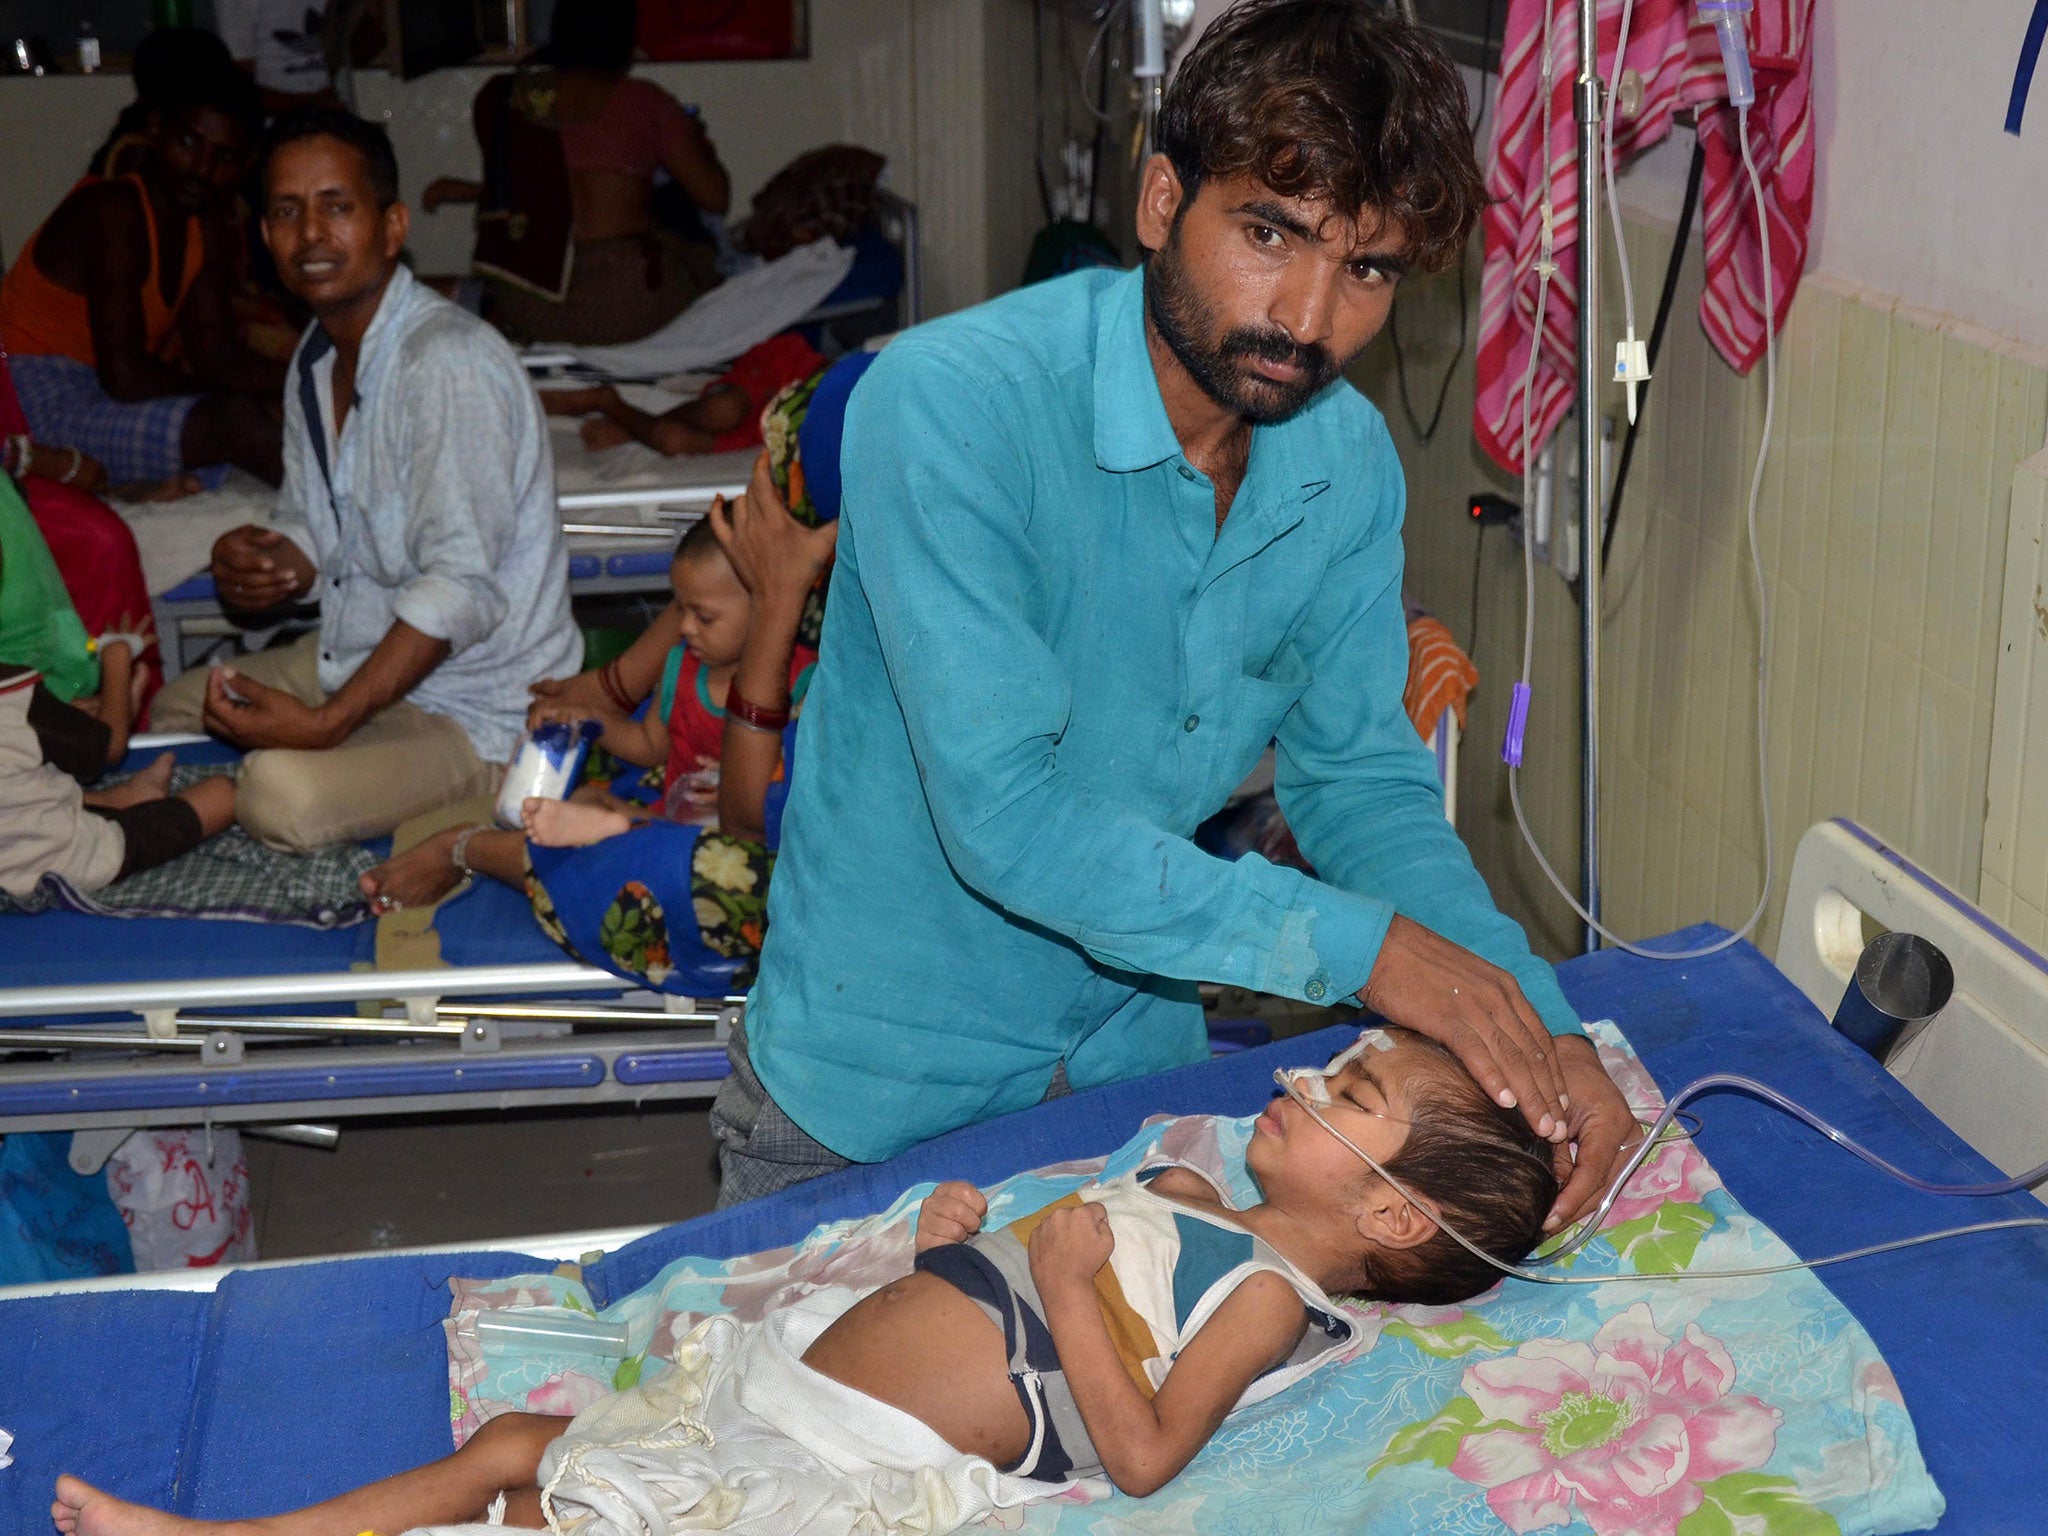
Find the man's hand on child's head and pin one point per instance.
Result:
(1476, 1011)
(1603, 1130)
(1070, 1246)
(952, 1213)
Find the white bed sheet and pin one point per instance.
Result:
(176, 538)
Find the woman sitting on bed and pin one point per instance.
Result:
(1109, 1334)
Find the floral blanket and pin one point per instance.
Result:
(1628, 1408)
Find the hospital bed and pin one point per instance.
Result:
(221, 1392)
(621, 509)
(109, 1025)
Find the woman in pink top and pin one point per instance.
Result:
(571, 242)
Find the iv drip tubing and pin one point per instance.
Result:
(1756, 568)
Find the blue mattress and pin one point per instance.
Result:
(491, 925)
(291, 1385)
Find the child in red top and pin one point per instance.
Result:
(740, 580)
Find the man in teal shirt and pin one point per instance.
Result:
(1102, 540)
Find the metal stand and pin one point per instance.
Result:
(1586, 97)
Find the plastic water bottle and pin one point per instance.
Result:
(88, 47)
(546, 766)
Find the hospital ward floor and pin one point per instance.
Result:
(414, 1180)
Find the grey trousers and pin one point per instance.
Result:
(760, 1149)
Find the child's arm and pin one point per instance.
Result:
(779, 560)
(1145, 1444)
(621, 682)
(117, 696)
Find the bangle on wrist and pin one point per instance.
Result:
(459, 854)
(71, 470)
(739, 707)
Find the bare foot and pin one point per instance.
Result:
(420, 876)
(601, 432)
(152, 783)
(82, 1510)
(558, 824)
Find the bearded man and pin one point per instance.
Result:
(1102, 541)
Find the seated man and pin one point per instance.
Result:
(418, 505)
(116, 315)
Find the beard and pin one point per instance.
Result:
(1219, 367)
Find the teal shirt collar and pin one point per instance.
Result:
(1131, 428)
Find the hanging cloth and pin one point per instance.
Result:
(526, 220)
(1675, 55)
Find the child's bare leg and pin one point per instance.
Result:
(214, 799)
(152, 783)
(426, 872)
(502, 1457)
(600, 433)
(559, 824)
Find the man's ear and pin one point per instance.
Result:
(1390, 1220)
(1159, 199)
(397, 225)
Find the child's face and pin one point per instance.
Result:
(714, 605)
(1370, 1100)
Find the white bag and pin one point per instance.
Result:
(184, 1195)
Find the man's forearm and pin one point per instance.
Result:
(399, 664)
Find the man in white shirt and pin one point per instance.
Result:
(282, 44)
(418, 508)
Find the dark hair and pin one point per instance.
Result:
(699, 541)
(369, 140)
(169, 56)
(190, 83)
(1489, 1174)
(593, 34)
(1332, 101)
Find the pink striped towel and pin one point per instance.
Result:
(1676, 56)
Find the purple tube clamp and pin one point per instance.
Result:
(1518, 722)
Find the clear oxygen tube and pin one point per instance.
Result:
(1292, 1083)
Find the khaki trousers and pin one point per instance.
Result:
(399, 763)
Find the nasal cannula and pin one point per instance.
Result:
(1292, 1081)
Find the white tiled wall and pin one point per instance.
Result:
(2016, 830)
(1883, 525)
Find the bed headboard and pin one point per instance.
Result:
(1982, 1065)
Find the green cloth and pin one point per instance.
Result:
(38, 626)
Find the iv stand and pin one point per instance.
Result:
(1586, 100)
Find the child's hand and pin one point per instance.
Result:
(568, 712)
(951, 1213)
(1070, 1246)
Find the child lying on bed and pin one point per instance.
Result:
(724, 418)
(1109, 1333)
(740, 578)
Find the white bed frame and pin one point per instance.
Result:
(1982, 1065)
